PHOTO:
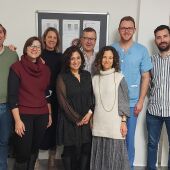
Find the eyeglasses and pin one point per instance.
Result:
(89, 39)
(35, 47)
(127, 29)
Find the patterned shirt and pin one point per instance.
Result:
(89, 62)
(159, 100)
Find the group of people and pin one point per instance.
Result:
(86, 101)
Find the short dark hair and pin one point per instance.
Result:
(89, 29)
(67, 57)
(99, 57)
(57, 34)
(3, 29)
(161, 27)
(127, 18)
(29, 43)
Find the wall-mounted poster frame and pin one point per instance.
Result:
(71, 24)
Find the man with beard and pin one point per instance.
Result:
(159, 102)
(135, 65)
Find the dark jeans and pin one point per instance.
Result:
(35, 126)
(154, 127)
(5, 130)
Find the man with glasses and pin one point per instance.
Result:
(88, 42)
(135, 65)
(7, 58)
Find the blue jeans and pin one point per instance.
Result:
(5, 130)
(130, 138)
(154, 127)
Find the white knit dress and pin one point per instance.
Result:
(111, 101)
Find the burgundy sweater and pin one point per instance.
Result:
(28, 83)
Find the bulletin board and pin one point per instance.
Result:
(71, 24)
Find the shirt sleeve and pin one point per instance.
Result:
(146, 63)
(123, 99)
(64, 104)
(13, 89)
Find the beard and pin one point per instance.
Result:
(164, 46)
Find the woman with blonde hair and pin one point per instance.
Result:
(53, 59)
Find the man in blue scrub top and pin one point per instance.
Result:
(135, 65)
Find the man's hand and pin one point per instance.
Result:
(138, 107)
(12, 47)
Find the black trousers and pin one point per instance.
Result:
(29, 143)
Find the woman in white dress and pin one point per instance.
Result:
(111, 111)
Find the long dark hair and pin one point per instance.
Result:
(67, 57)
(99, 57)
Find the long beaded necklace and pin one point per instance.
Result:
(107, 110)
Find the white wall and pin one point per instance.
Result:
(18, 16)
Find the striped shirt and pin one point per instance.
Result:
(159, 100)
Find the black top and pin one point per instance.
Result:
(54, 61)
(75, 99)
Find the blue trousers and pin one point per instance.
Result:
(5, 130)
(154, 127)
(130, 138)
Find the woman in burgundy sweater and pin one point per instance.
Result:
(28, 97)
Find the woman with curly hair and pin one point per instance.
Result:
(110, 113)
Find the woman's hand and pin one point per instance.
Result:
(123, 129)
(85, 119)
(80, 123)
(49, 121)
(19, 128)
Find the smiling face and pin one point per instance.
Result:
(107, 60)
(126, 30)
(88, 41)
(50, 41)
(75, 62)
(162, 40)
(34, 50)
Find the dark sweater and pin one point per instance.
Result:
(28, 83)
(54, 61)
(75, 99)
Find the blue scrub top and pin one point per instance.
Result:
(133, 63)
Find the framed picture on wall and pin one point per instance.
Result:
(71, 24)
